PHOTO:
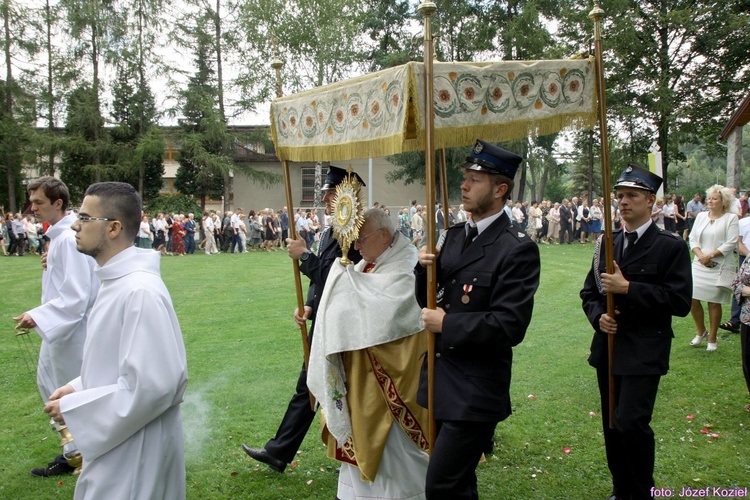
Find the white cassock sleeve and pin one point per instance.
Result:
(152, 376)
(70, 288)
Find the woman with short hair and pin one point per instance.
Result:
(712, 240)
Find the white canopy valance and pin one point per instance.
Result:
(381, 114)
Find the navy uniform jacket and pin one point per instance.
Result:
(474, 353)
(661, 286)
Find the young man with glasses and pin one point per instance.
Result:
(134, 370)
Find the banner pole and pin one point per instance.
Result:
(427, 9)
(597, 14)
(276, 64)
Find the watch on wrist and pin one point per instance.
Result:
(304, 256)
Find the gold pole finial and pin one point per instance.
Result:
(277, 64)
(427, 8)
(597, 13)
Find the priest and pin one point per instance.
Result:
(134, 371)
(364, 367)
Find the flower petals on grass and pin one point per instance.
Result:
(531, 396)
(566, 450)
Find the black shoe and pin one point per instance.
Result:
(55, 468)
(261, 455)
(489, 448)
(728, 326)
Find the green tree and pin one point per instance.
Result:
(320, 42)
(671, 66)
(514, 30)
(17, 112)
(411, 168)
(386, 22)
(53, 84)
(96, 27)
(87, 154)
(134, 113)
(204, 139)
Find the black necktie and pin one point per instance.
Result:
(631, 241)
(323, 239)
(473, 232)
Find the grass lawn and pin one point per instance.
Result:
(244, 355)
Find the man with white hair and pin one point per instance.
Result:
(364, 367)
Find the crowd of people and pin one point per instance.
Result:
(21, 235)
(231, 232)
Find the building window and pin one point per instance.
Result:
(308, 185)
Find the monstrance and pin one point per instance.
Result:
(348, 214)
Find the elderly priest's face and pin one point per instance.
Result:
(372, 242)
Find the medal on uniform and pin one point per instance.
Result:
(467, 288)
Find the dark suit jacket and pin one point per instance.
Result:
(316, 268)
(661, 286)
(565, 215)
(473, 354)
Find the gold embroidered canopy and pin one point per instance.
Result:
(382, 113)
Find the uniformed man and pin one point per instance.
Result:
(281, 450)
(487, 273)
(651, 282)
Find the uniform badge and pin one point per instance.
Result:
(439, 296)
(478, 147)
(629, 169)
(521, 235)
(466, 299)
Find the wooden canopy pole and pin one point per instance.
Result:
(427, 9)
(597, 14)
(276, 64)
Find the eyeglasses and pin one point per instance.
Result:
(362, 239)
(83, 218)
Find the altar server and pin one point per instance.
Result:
(134, 371)
(69, 288)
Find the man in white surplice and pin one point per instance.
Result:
(134, 370)
(69, 287)
(364, 368)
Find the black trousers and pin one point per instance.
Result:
(566, 232)
(630, 445)
(459, 445)
(295, 424)
(745, 351)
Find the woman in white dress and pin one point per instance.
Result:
(535, 221)
(553, 230)
(242, 231)
(712, 240)
(32, 235)
(657, 213)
